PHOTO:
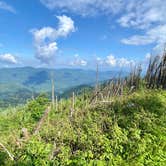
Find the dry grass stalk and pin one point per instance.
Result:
(53, 91)
(7, 151)
(73, 100)
(56, 100)
(156, 72)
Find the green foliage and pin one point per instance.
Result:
(37, 107)
(129, 131)
(36, 153)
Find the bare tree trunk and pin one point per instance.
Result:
(33, 98)
(73, 105)
(53, 91)
(61, 105)
(97, 76)
(73, 100)
(56, 103)
(40, 123)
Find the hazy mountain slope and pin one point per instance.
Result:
(13, 79)
(19, 84)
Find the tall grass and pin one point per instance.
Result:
(156, 72)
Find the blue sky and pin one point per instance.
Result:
(79, 33)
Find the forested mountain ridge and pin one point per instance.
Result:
(38, 79)
(17, 85)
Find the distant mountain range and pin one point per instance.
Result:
(20, 83)
(38, 79)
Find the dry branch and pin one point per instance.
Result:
(6, 150)
(42, 120)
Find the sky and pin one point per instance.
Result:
(80, 33)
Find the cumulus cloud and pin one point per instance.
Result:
(46, 52)
(78, 61)
(5, 6)
(45, 39)
(112, 61)
(66, 26)
(8, 59)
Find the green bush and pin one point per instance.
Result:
(37, 107)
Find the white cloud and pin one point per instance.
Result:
(8, 59)
(138, 40)
(154, 35)
(66, 26)
(5, 6)
(147, 16)
(46, 52)
(85, 7)
(111, 60)
(143, 14)
(83, 62)
(135, 13)
(45, 38)
(44, 33)
(123, 62)
(125, 20)
(78, 61)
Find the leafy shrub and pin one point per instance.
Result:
(36, 153)
(36, 107)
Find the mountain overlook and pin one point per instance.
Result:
(83, 83)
